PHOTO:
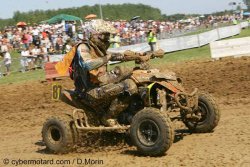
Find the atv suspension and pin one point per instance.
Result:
(191, 100)
(162, 99)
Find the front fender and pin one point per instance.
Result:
(152, 75)
(174, 86)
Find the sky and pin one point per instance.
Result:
(168, 7)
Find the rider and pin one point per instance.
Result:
(90, 75)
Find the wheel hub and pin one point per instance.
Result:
(148, 132)
(55, 135)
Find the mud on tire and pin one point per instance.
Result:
(59, 134)
(210, 115)
(151, 132)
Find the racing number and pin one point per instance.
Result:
(56, 91)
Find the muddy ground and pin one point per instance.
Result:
(24, 107)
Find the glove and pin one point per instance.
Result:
(138, 57)
(117, 57)
(158, 53)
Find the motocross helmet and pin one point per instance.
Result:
(100, 31)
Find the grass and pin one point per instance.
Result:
(178, 56)
(184, 55)
(18, 77)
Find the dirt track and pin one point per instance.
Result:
(24, 108)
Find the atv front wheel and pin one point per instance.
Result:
(151, 132)
(209, 113)
(60, 134)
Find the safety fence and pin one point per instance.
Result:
(160, 35)
(187, 42)
(173, 32)
(232, 47)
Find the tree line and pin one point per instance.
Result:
(112, 12)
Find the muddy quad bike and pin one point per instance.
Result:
(145, 116)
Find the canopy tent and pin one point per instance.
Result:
(91, 16)
(21, 23)
(61, 17)
(135, 18)
(246, 14)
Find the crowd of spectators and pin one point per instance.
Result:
(34, 42)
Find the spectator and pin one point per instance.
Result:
(115, 40)
(36, 40)
(37, 58)
(69, 45)
(4, 42)
(59, 43)
(25, 39)
(30, 58)
(44, 54)
(24, 59)
(7, 61)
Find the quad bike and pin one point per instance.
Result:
(145, 117)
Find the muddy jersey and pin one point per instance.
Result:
(93, 60)
(89, 65)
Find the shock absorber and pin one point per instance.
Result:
(161, 98)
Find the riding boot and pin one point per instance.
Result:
(111, 90)
(116, 107)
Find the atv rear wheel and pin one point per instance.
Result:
(151, 132)
(60, 134)
(209, 112)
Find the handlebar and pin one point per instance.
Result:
(138, 57)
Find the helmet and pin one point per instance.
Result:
(99, 26)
